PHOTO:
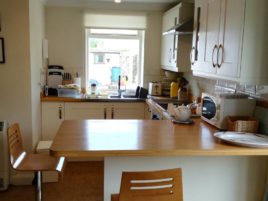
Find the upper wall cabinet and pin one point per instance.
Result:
(175, 45)
(177, 15)
(227, 40)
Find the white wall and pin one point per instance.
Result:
(15, 76)
(152, 54)
(66, 36)
(36, 36)
(22, 29)
(66, 40)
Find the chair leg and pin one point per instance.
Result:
(38, 187)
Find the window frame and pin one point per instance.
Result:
(140, 36)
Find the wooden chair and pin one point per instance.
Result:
(23, 161)
(163, 185)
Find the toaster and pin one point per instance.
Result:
(155, 89)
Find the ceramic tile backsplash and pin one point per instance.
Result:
(262, 115)
(256, 91)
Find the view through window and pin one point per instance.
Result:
(112, 53)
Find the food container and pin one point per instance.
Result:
(174, 90)
(66, 92)
(242, 124)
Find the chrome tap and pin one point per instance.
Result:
(119, 85)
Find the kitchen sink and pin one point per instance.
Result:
(129, 96)
(114, 96)
(123, 97)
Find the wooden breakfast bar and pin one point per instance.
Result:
(212, 170)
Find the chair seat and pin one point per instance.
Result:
(39, 162)
(23, 161)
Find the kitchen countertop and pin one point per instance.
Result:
(101, 138)
(164, 99)
(82, 98)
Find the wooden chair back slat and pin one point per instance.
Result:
(14, 142)
(163, 185)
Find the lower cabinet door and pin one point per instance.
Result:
(128, 110)
(74, 111)
(52, 117)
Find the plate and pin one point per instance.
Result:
(243, 139)
(189, 121)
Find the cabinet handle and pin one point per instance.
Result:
(112, 112)
(213, 52)
(222, 51)
(170, 55)
(60, 112)
(191, 55)
(174, 46)
(105, 113)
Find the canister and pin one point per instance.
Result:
(174, 89)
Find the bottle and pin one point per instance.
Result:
(183, 94)
(93, 89)
(174, 90)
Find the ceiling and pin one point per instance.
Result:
(109, 4)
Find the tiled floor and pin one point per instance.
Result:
(82, 181)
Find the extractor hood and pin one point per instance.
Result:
(182, 28)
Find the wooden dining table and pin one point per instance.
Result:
(209, 166)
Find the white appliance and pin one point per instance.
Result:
(54, 77)
(215, 108)
(155, 88)
(4, 161)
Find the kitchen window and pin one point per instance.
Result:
(114, 52)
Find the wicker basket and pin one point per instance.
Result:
(242, 124)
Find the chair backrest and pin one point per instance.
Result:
(14, 143)
(163, 185)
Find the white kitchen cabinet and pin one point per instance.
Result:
(226, 34)
(176, 47)
(127, 110)
(117, 110)
(78, 110)
(177, 15)
(221, 24)
(52, 117)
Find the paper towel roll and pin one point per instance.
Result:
(77, 81)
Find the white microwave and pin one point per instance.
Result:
(215, 108)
